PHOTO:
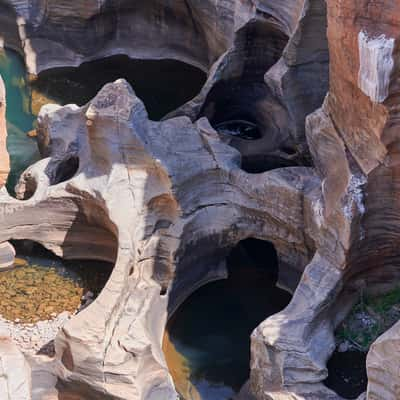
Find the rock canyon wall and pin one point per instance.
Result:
(166, 201)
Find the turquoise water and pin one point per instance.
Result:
(162, 85)
(20, 119)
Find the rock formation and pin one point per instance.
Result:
(383, 366)
(15, 372)
(166, 201)
(353, 142)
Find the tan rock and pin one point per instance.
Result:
(15, 373)
(383, 366)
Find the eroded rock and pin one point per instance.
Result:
(15, 372)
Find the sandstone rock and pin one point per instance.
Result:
(7, 256)
(383, 366)
(167, 200)
(127, 159)
(15, 374)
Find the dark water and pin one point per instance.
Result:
(208, 342)
(163, 85)
(347, 374)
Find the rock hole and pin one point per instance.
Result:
(204, 332)
(65, 170)
(26, 187)
(347, 373)
(163, 85)
(42, 292)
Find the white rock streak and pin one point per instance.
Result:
(376, 65)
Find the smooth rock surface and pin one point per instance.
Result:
(15, 372)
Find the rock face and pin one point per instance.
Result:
(15, 373)
(166, 201)
(383, 366)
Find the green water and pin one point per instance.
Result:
(162, 85)
(22, 149)
(207, 346)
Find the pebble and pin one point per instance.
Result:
(30, 338)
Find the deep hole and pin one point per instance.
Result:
(66, 169)
(207, 349)
(347, 374)
(163, 85)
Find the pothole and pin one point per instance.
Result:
(207, 351)
(162, 85)
(42, 292)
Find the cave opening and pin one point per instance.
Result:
(207, 340)
(41, 292)
(163, 85)
(243, 109)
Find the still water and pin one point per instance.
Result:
(207, 344)
(20, 118)
(43, 285)
(163, 86)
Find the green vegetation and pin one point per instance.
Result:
(369, 318)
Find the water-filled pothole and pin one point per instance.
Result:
(163, 85)
(41, 292)
(207, 343)
(42, 284)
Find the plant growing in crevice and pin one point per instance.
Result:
(369, 318)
